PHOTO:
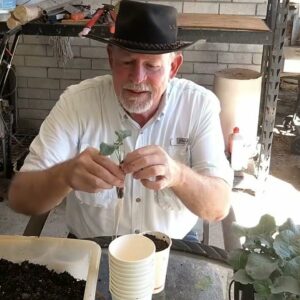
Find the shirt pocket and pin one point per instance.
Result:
(104, 199)
(167, 200)
(180, 153)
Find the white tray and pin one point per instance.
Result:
(80, 258)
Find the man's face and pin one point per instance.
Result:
(141, 79)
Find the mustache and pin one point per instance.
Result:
(142, 87)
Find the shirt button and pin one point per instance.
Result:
(136, 231)
(138, 200)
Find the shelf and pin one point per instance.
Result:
(191, 27)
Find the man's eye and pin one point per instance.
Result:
(153, 67)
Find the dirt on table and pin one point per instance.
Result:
(27, 281)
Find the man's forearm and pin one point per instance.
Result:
(36, 192)
(208, 197)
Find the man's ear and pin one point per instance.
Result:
(177, 61)
(109, 53)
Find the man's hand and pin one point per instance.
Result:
(91, 172)
(153, 166)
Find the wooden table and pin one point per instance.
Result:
(195, 272)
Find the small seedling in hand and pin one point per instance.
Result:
(116, 147)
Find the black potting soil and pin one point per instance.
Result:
(159, 244)
(35, 282)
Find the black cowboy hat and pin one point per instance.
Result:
(145, 28)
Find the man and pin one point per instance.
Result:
(174, 170)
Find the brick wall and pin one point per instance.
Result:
(41, 78)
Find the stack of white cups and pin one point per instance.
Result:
(131, 267)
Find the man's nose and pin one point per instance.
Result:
(138, 73)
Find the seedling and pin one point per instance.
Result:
(118, 149)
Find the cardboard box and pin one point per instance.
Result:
(80, 258)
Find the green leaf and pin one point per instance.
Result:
(262, 287)
(287, 244)
(259, 235)
(237, 258)
(106, 149)
(289, 225)
(282, 244)
(122, 134)
(260, 266)
(242, 277)
(266, 226)
(285, 284)
(292, 268)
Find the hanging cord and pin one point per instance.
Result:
(62, 48)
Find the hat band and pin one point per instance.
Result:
(140, 45)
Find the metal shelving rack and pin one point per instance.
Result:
(272, 61)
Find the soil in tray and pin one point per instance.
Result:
(159, 244)
(35, 282)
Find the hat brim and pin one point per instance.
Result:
(172, 48)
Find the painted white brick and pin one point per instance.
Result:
(249, 1)
(55, 94)
(100, 64)
(250, 67)
(202, 8)
(207, 68)
(31, 50)
(29, 124)
(200, 56)
(64, 83)
(238, 9)
(64, 73)
(22, 81)
(187, 67)
(77, 63)
(257, 59)
(43, 83)
(230, 57)
(49, 51)
(32, 93)
(39, 114)
(95, 43)
(40, 61)
(31, 72)
(201, 79)
(245, 48)
(93, 52)
(36, 39)
(76, 51)
(261, 9)
(85, 74)
(177, 4)
(22, 103)
(41, 104)
(202, 45)
(18, 60)
(77, 41)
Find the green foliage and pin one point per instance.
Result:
(269, 259)
(108, 149)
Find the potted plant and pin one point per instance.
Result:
(118, 149)
(268, 265)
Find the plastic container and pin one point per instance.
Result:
(80, 258)
(237, 150)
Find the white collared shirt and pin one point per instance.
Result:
(186, 125)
